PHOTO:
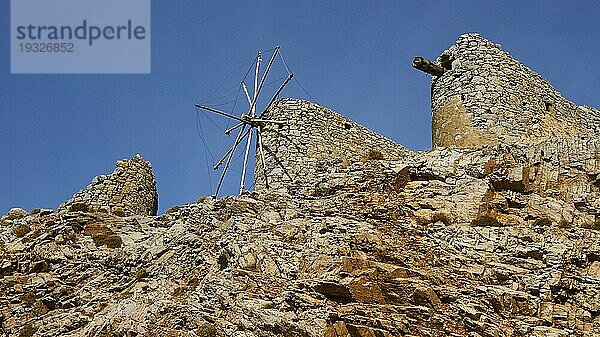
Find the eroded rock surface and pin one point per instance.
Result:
(488, 242)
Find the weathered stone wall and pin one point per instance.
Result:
(487, 97)
(129, 190)
(313, 136)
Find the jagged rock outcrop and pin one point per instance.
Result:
(129, 190)
(428, 246)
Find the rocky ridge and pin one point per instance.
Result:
(498, 241)
(352, 235)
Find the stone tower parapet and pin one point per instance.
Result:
(129, 190)
(311, 138)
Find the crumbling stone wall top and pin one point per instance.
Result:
(129, 190)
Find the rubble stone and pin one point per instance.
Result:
(129, 190)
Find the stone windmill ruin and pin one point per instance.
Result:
(293, 137)
(480, 96)
(250, 124)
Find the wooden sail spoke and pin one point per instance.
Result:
(250, 122)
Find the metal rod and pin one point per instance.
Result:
(262, 155)
(245, 161)
(216, 166)
(219, 112)
(228, 131)
(260, 120)
(252, 111)
(247, 93)
(289, 78)
(239, 136)
(262, 80)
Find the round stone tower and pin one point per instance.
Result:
(481, 95)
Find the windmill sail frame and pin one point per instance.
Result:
(249, 123)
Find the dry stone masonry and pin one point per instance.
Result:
(129, 190)
(311, 137)
(485, 96)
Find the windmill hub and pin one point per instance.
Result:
(246, 119)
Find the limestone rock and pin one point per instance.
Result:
(379, 248)
(15, 213)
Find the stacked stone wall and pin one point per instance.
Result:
(129, 190)
(487, 97)
(312, 137)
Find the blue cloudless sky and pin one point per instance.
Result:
(59, 131)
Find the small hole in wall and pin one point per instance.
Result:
(462, 97)
(347, 126)
(548, 106)
(446, 61)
